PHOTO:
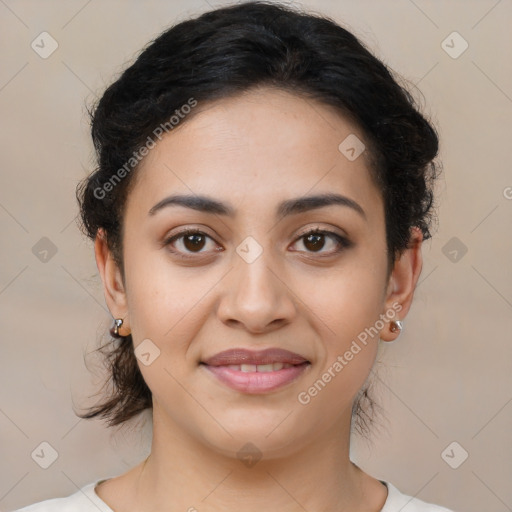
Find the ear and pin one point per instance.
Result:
(113, 286)
(402, 282)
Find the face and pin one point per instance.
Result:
(238, 270)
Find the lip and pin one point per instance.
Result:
(254, 382)
(244, 356)
(257, 382)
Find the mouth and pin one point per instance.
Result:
(260, 368)
(256, 372)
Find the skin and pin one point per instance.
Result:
(253, 151)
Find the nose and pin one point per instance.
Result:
(256, 297)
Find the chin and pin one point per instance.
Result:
(267, 436)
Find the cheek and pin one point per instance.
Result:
(347, 309)
(347, 305)
(153, 296)
(165, 304)
(351, 297)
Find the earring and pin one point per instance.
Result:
(396, 325)
(114, 331)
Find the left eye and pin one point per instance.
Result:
(314, 241)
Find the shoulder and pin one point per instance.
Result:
(397, 501)
(83, 500)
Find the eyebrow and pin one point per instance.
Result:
(286, 208)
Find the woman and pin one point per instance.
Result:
(263, 189)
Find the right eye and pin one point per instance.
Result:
(192, 240)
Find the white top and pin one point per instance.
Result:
(86, 500)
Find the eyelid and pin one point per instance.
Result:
(185, 232)
(320, 229)
(190, 229)
(342, 240)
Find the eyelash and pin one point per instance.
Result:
(343, 243)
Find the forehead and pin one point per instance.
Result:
(263, 146)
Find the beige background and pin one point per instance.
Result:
(448, 378)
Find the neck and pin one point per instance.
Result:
(191, 476)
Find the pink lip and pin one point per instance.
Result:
(256, 382)
(244, 356)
